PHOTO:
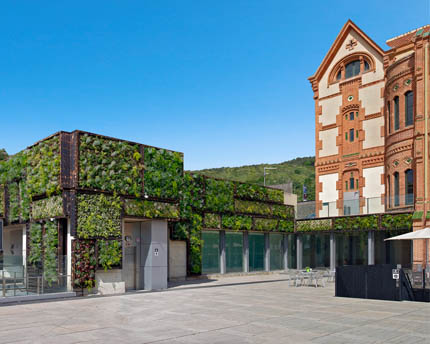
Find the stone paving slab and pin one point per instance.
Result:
(245, 309)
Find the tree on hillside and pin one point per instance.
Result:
(3, 154)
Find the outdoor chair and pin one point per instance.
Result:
(318, 278)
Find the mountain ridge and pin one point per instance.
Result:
(300, 171)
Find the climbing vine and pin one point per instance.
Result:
(99, 216)
(110, 165)
(163, 173)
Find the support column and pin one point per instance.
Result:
(285, 251)
(332, 252)
(370, 248)
(245, 252)
(69, 256)
(299, 251)
(222, 258)
(266, 252)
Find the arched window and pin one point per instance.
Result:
(396, 113)
(389, 116)
(396, 189)
(366, 65)
(339, 75)
(409, 187)
(352, 69)
(389, 191)
(409, 108)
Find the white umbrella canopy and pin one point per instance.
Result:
(420, 234)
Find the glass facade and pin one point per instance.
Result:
(292, 252)
(392, 252)
(351, 248)
(316, 250)
(256, 251)
(210, 253)
(276, 251)
(234, 251)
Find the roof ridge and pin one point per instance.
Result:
(407, 33)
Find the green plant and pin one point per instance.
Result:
(219, 195)
(286, 226)
(109, 253)
(251, 192)
(250, 207)
(14, 203)
(275, 195)
(283, 211)
(396, 221)
(237, 222)
(151, 209)
(212, 220)
(110, 165)
(84, 263)
(99, 216)
(191, 195)
(50, 252)
(163, 173)
(314, 225)
(24, 201)
(2, 201)
(180, 231)
(265, 224)
(14, 168)
(35, 244)
(43, 167)
(356, 222)
(47, 208)
(195, 258)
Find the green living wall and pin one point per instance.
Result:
(208, 203)
(33, 172)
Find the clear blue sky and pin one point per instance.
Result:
(225, 82)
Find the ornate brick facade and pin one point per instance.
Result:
(370, 120)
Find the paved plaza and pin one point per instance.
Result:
(249, 309)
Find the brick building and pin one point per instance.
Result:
(371, 127)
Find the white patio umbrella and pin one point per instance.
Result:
(420, 234)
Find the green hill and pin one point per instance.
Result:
(300, 171)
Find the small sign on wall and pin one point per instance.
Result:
(156, 252)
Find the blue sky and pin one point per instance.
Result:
(225, 82)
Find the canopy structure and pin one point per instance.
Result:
(420, 234)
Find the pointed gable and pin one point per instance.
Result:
(351, 39)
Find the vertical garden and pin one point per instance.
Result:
(95, 182)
